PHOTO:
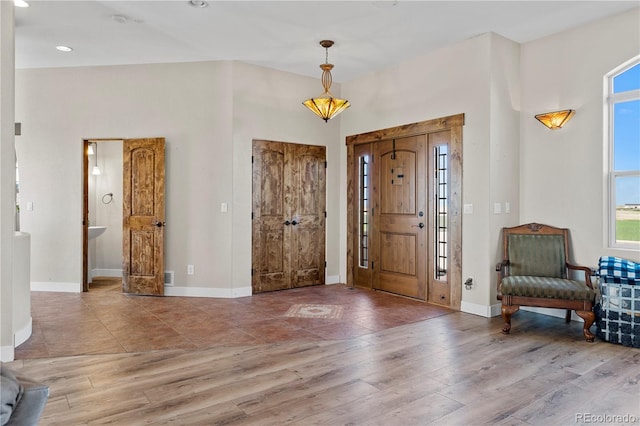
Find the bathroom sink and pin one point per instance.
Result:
(96, 231)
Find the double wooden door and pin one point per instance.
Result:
(288, 215)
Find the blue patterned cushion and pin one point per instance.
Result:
(619, 271)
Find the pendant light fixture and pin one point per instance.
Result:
(96, 169)
(325, 105)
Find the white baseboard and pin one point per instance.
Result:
(59, 287)
(224, 293)
(486, 311)
(7, 353)
(106, 273)
(21, 336)
(332, 279)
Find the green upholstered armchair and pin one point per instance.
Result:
(535, 272)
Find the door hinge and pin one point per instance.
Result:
(325, 164)
(251, 215)
(251, 272)
(325, 264)
(325, 214)
(252, 159)
(372, 265)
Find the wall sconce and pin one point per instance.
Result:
(557, 119)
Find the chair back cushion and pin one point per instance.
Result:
(537, 255)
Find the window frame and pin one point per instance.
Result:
(612, 175)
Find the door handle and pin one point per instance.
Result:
(286, 222)
(159, 224)
(294, 222)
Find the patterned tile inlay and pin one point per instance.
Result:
(315, 311)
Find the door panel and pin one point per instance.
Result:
(399, 221)
(288, 231)
(143, 216)
(270, 254)
(307, 207)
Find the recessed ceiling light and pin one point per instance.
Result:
(20, 3)
(198, 3)
(64, 48)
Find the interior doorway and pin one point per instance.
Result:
(123, 213)
(102, 215)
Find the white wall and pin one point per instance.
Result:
(7, 180)
(209, 113)
(453, 80)
(562, 172)
(267, 104)
(188, 104)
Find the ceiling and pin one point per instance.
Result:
(285, 35)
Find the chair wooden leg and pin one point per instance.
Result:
(567, 316)
(507, 311)
(589, 317)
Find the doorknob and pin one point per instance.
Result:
(294, 223)
(287, 223)
(421, 225)
(159, 224)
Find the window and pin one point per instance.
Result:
(363, 225)
(441, 191)
(624, 156)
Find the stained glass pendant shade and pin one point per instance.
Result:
(325, 105)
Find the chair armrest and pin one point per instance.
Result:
(501, 268)
(587, 273)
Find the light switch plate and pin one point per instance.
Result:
(497, 208)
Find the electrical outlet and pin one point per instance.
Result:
(191, 270)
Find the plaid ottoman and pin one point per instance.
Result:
(618, 313)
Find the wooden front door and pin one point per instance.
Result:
(288, 226)
(143, 216)
(404, 200)
(400, 217)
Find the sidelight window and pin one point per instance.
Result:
(441, 191)
(364, 208)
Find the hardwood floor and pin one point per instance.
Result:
(446, 368)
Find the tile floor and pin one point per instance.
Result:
(104, 320)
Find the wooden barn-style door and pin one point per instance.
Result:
(403, 210)
(288, 216)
